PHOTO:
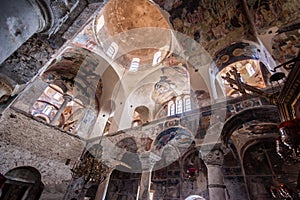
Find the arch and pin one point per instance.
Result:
(22, 182)
(25, 172)
(265, 170)
(141, 115)
(267, 113)
(78, 71)
(194, 197)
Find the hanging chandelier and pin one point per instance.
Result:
(91, 168)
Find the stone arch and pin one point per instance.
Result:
(267, 113)
(22, 182)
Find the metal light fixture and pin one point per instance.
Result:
(91, 167)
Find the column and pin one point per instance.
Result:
(19, 20)
(102, 188)
(213, 157)
(148, 161)
(67, 99)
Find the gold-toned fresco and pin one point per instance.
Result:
(134, 33)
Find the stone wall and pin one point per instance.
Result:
(28, 142)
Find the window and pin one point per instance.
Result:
(156, 58)
(179, 105)
(250, 69)
(187, 103)
(171, 108)
(100, 23)
(112, 50)
(135, 63)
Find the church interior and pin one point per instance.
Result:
(150, 99)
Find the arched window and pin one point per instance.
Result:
(171, 108)
(187, 103)
(179, 105)
(135, 63)
(156, 58)
(112, 50)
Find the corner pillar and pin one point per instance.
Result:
(213, 156)
(102, 188)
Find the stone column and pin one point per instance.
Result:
(102, 188)
(67, 99)
(148, 161)
(19, 20)
(213, 157)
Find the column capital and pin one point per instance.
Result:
(67, 97)
(213, 154)
(148, 160)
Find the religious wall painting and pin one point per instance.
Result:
(177, 136)
(85, 39)
(285, 45)
(123, 185)
(270, 13)
(137, 39)
(209, 22)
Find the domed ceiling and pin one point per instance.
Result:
(136, 31)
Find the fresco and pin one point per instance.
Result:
(73, 68)
(172, 83)
(85, 39)
(128, 34)
(286, 45)
(48, 104)
(269, 13)
(265, 171)
(214, 24)
(179, 137)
